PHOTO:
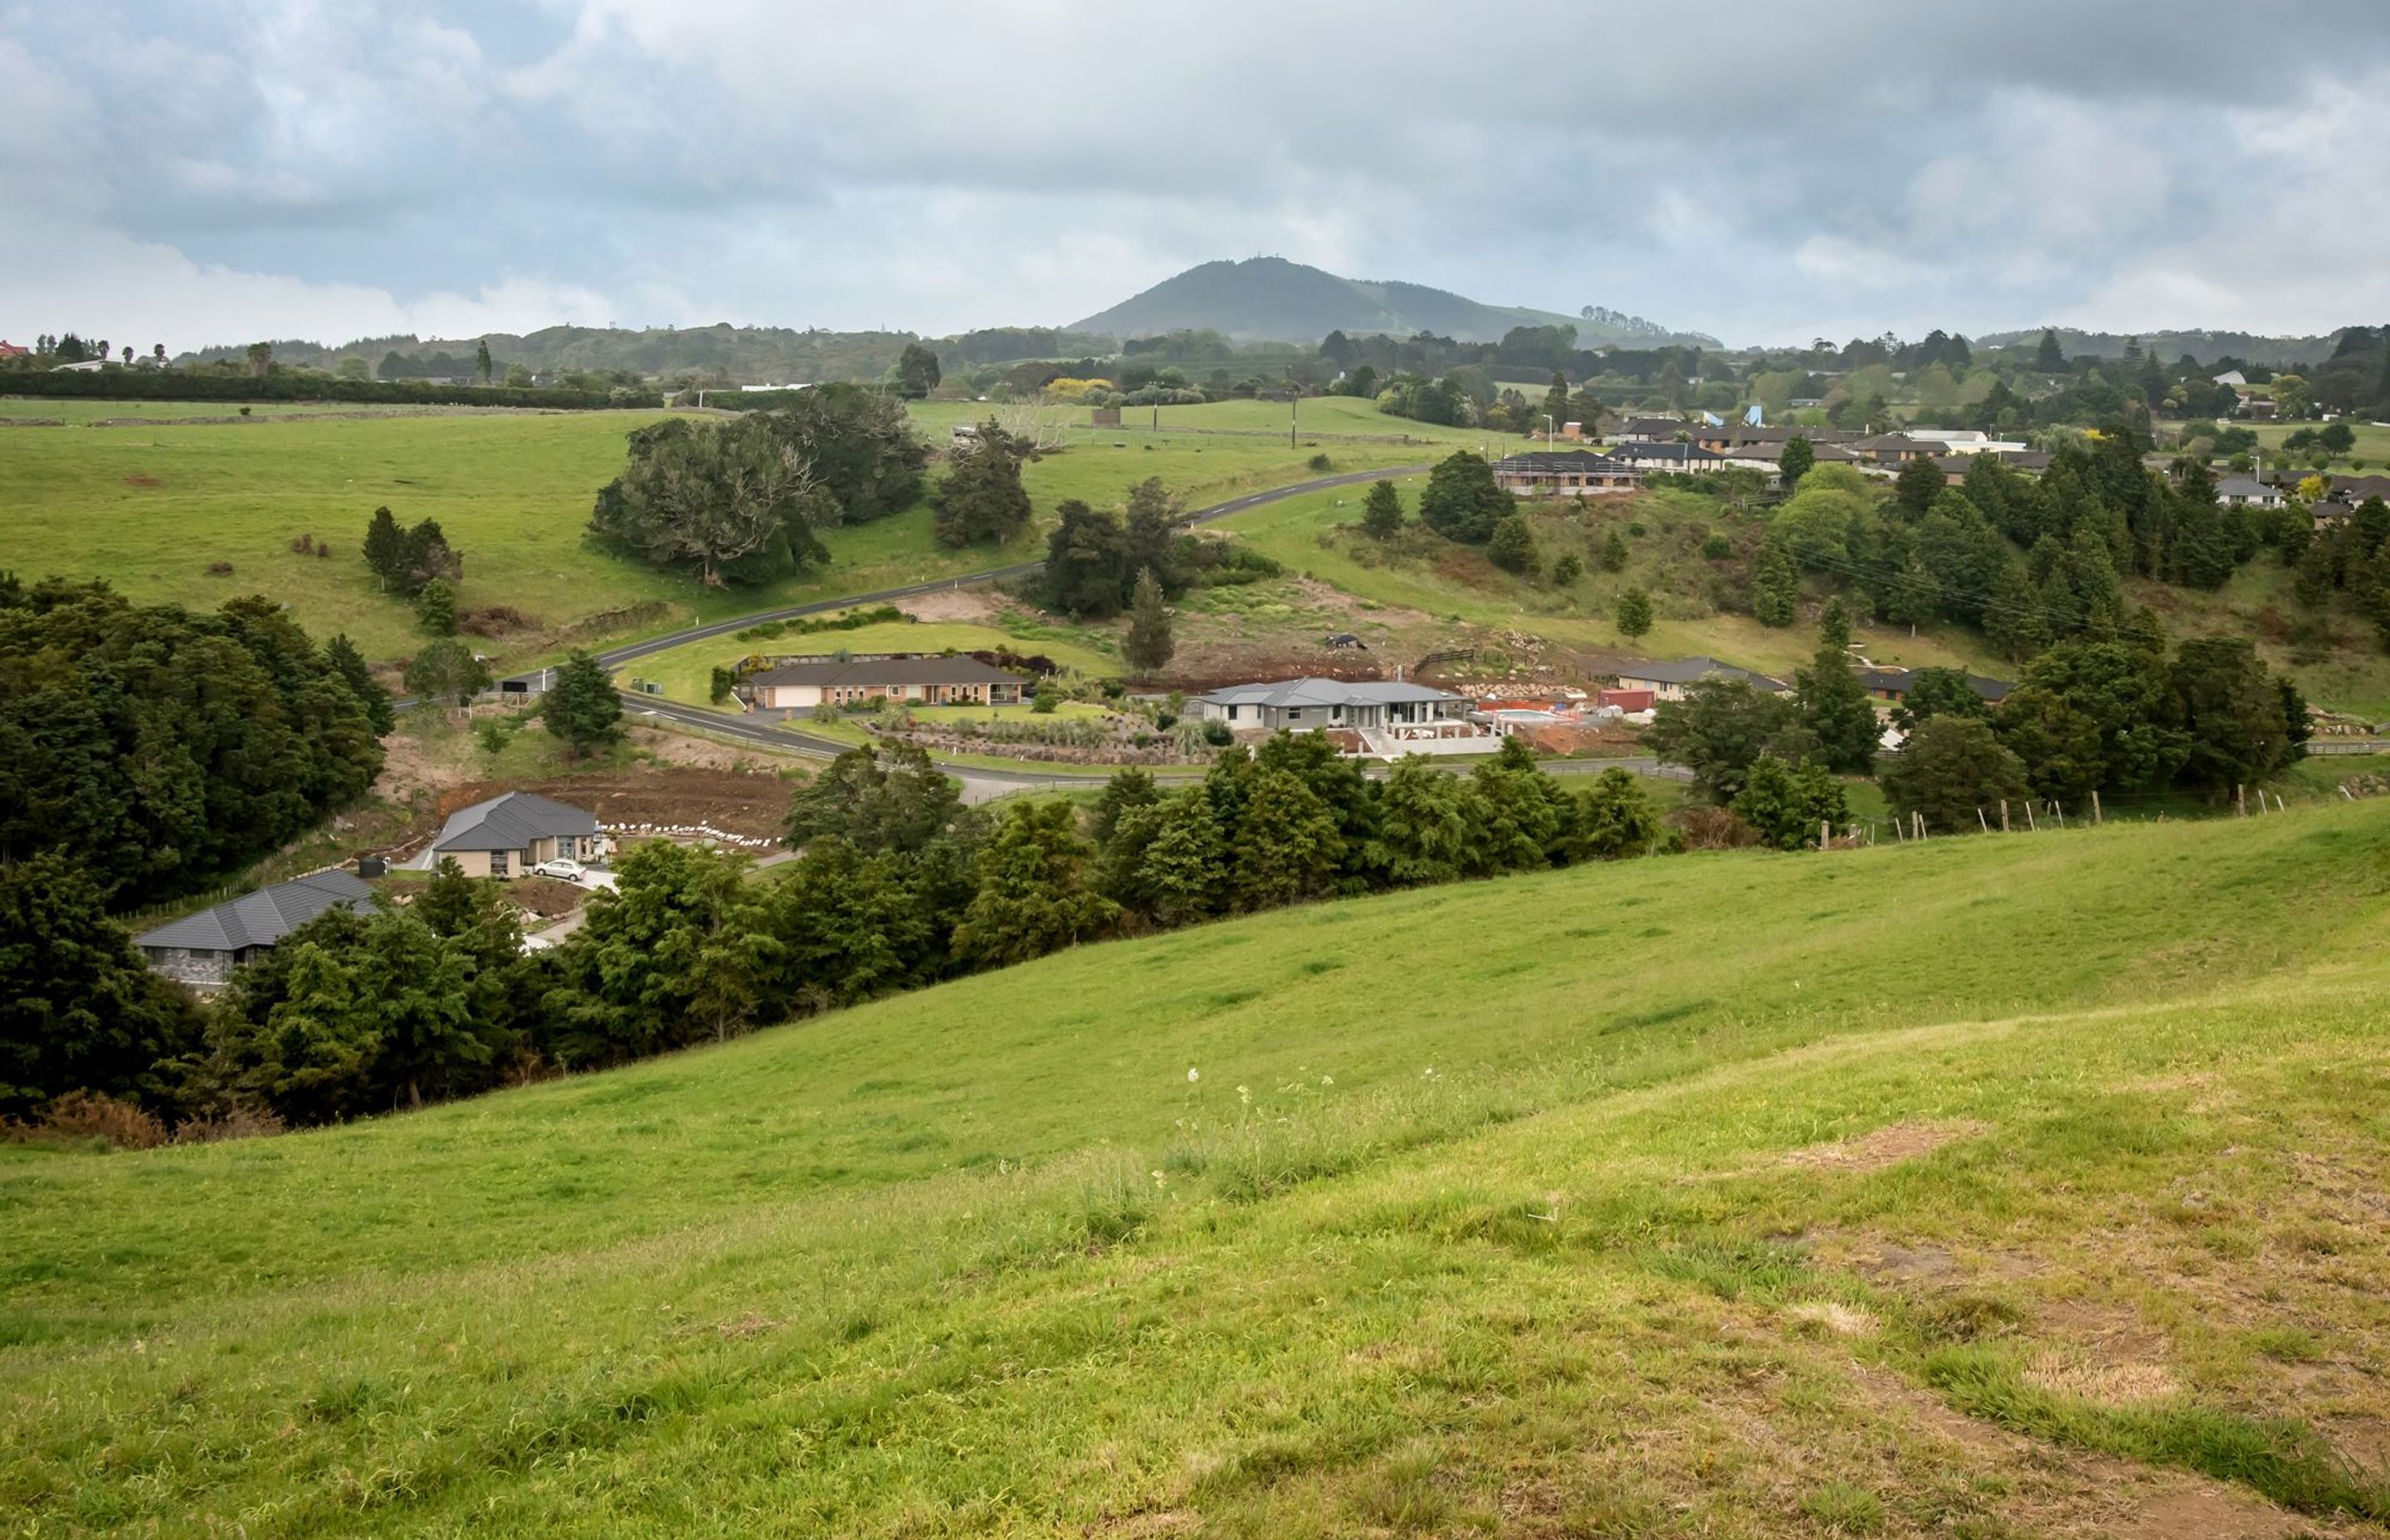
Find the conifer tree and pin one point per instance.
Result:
(1634, 613)
(1834, 704)
(1149, 644)
(1382, 515)
(581, 707)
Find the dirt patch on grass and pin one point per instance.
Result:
(1885, 1147)
(969, 604)
(1842, 1319)
(143, 482)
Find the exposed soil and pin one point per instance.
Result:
(731, 801)
(966, 604)
(1884, 1147)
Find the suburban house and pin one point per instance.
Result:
(2244, 492)
(1893, 449)
(1309, 705)
(1569, 473)
(2233, 378)
(2357, 489)
(204, 948)
(1892, 683)
(508, 835)
(1650, 429)
(1668, 681)
(1656, 456)
(800, 684)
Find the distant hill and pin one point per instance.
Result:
(1271, 298)
(2205, 346)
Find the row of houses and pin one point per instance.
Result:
(1627, 461)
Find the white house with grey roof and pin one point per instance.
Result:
(1310, 705)
(508, 835)
(205, 947)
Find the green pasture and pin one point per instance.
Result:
(1990, 1187)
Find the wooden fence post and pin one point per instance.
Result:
(2095, 808)
(2004, 814)
(1979, 818)
(2031, 827)
(2241, 798)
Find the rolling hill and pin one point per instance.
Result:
(2012, 1186)
(1271, 298)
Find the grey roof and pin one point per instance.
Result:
(862, 674)
(1688, 454)
(2243, 486)
(1280, 693)
(1898, 680)
(2356, 489)
(1571, 461)
(262, 917)
(1686, 670)
(512, 822)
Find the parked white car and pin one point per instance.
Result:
(570, 871)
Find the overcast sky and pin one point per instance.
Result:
(203, 174)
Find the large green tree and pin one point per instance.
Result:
(581, 707)
(1462, 501)
(727, 500)
(916, 371)
(1032, 895)
(882, 797)
(1950, 769)
(1717, 731)
(79, 1008)
(1084, 557)
(981, 501)
(1793, 463)
(446, 672)
(1382, 511)
(1785, 803)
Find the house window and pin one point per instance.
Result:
(498, 862)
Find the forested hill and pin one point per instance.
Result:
(2203, 345)
(1271, 298)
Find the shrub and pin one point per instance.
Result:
(1321, 462)
(90, 1115)
(1714, 829)
(1718, 547)
(239, 1121)
(219, 569)
(1218, 735)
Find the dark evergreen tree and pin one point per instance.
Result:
(79, 1008)
(1513, 547)
(882, 797)
(581, 707)
(1634, 616)
(1148, 645)
(350, 664)
(1032, 895)
(981, 501)
(1785, 803)
(385, 549)
(435, 609)
(1795, 461)
(1084, 559)
(1462, 501)
(1834, 705)
(1382, 513)
(1949, 768)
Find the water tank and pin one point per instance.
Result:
(371, 865)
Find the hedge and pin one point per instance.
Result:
(123, 384)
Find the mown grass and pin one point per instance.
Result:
(1490, 1207)
(686, 672)
(151, 511)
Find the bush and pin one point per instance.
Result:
(1218, 735)
(1321, 462)
(1718, 547)
(1714, 829)
(78, 1115)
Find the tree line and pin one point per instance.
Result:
(161, 749)
(898, 885)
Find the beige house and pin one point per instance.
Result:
(800, 684)
(508, 835)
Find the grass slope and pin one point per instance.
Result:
(1990, 1187)
(149, 511)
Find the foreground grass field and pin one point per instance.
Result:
(154, 510)
(1988, 1187)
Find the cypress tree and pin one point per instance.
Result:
(1149, 644)
(1381, 516)
(582, 708)
(386, 548)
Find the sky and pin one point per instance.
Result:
(327, 170)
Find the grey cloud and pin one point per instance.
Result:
(1754, 169)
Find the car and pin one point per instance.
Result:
(570, 871)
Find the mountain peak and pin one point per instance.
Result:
(1273, 298)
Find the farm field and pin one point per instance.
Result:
(1995, 1186)
(153, 512)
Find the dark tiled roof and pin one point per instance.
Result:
(512, 822)
(1681, 454)
(1686, 670)
(863, 674)
(262, 917)
(1326, 692)
(1565, 461)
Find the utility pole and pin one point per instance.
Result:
(1293, 405)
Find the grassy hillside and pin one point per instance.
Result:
(1988, 1187)
(151, 511)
